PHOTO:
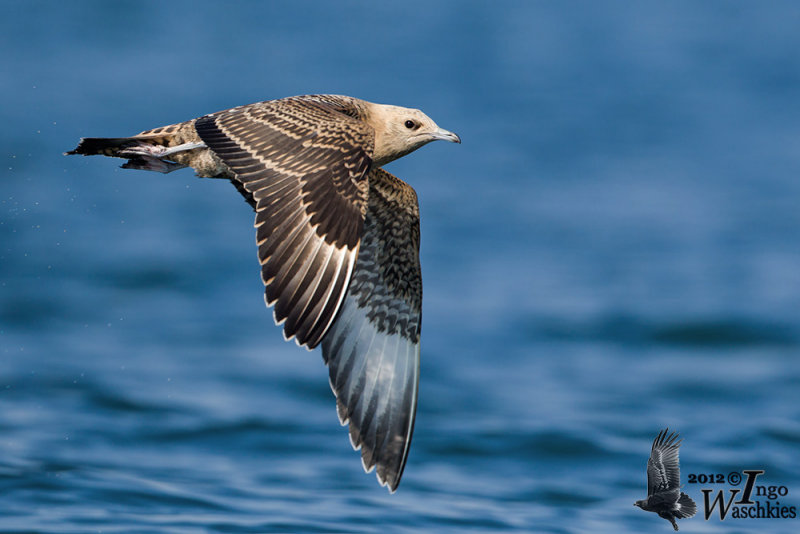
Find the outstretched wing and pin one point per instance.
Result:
(304, 162)
(372, 348)
(663, 467)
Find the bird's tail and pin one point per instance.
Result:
(145, 152)
(686, 507)
(104, 146)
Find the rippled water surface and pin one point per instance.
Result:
(614, 248)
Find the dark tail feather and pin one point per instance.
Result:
(143, 153)
(687, 507)
(105, 146)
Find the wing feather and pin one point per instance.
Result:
(372, 348)
(663, 467)
(304, 160)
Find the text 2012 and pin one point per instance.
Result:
(703, 478)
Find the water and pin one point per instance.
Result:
(612, 250)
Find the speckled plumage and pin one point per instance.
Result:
(338, 240)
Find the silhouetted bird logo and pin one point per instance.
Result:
(664, 495)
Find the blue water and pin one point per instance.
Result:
(615, 248)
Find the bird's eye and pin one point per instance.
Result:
(411, 124)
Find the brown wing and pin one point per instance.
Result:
(372, 348)
(305, 164)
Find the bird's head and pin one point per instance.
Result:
(399, 131)
(640, 504)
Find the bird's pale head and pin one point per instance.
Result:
(640, 504)
(399, 131)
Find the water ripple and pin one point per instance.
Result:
(702, 333)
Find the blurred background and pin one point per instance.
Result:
(613, 249)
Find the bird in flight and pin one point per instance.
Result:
(338, 240)
(664, 495)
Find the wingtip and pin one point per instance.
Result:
(390, 485)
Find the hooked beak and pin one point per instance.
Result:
(446, 135)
